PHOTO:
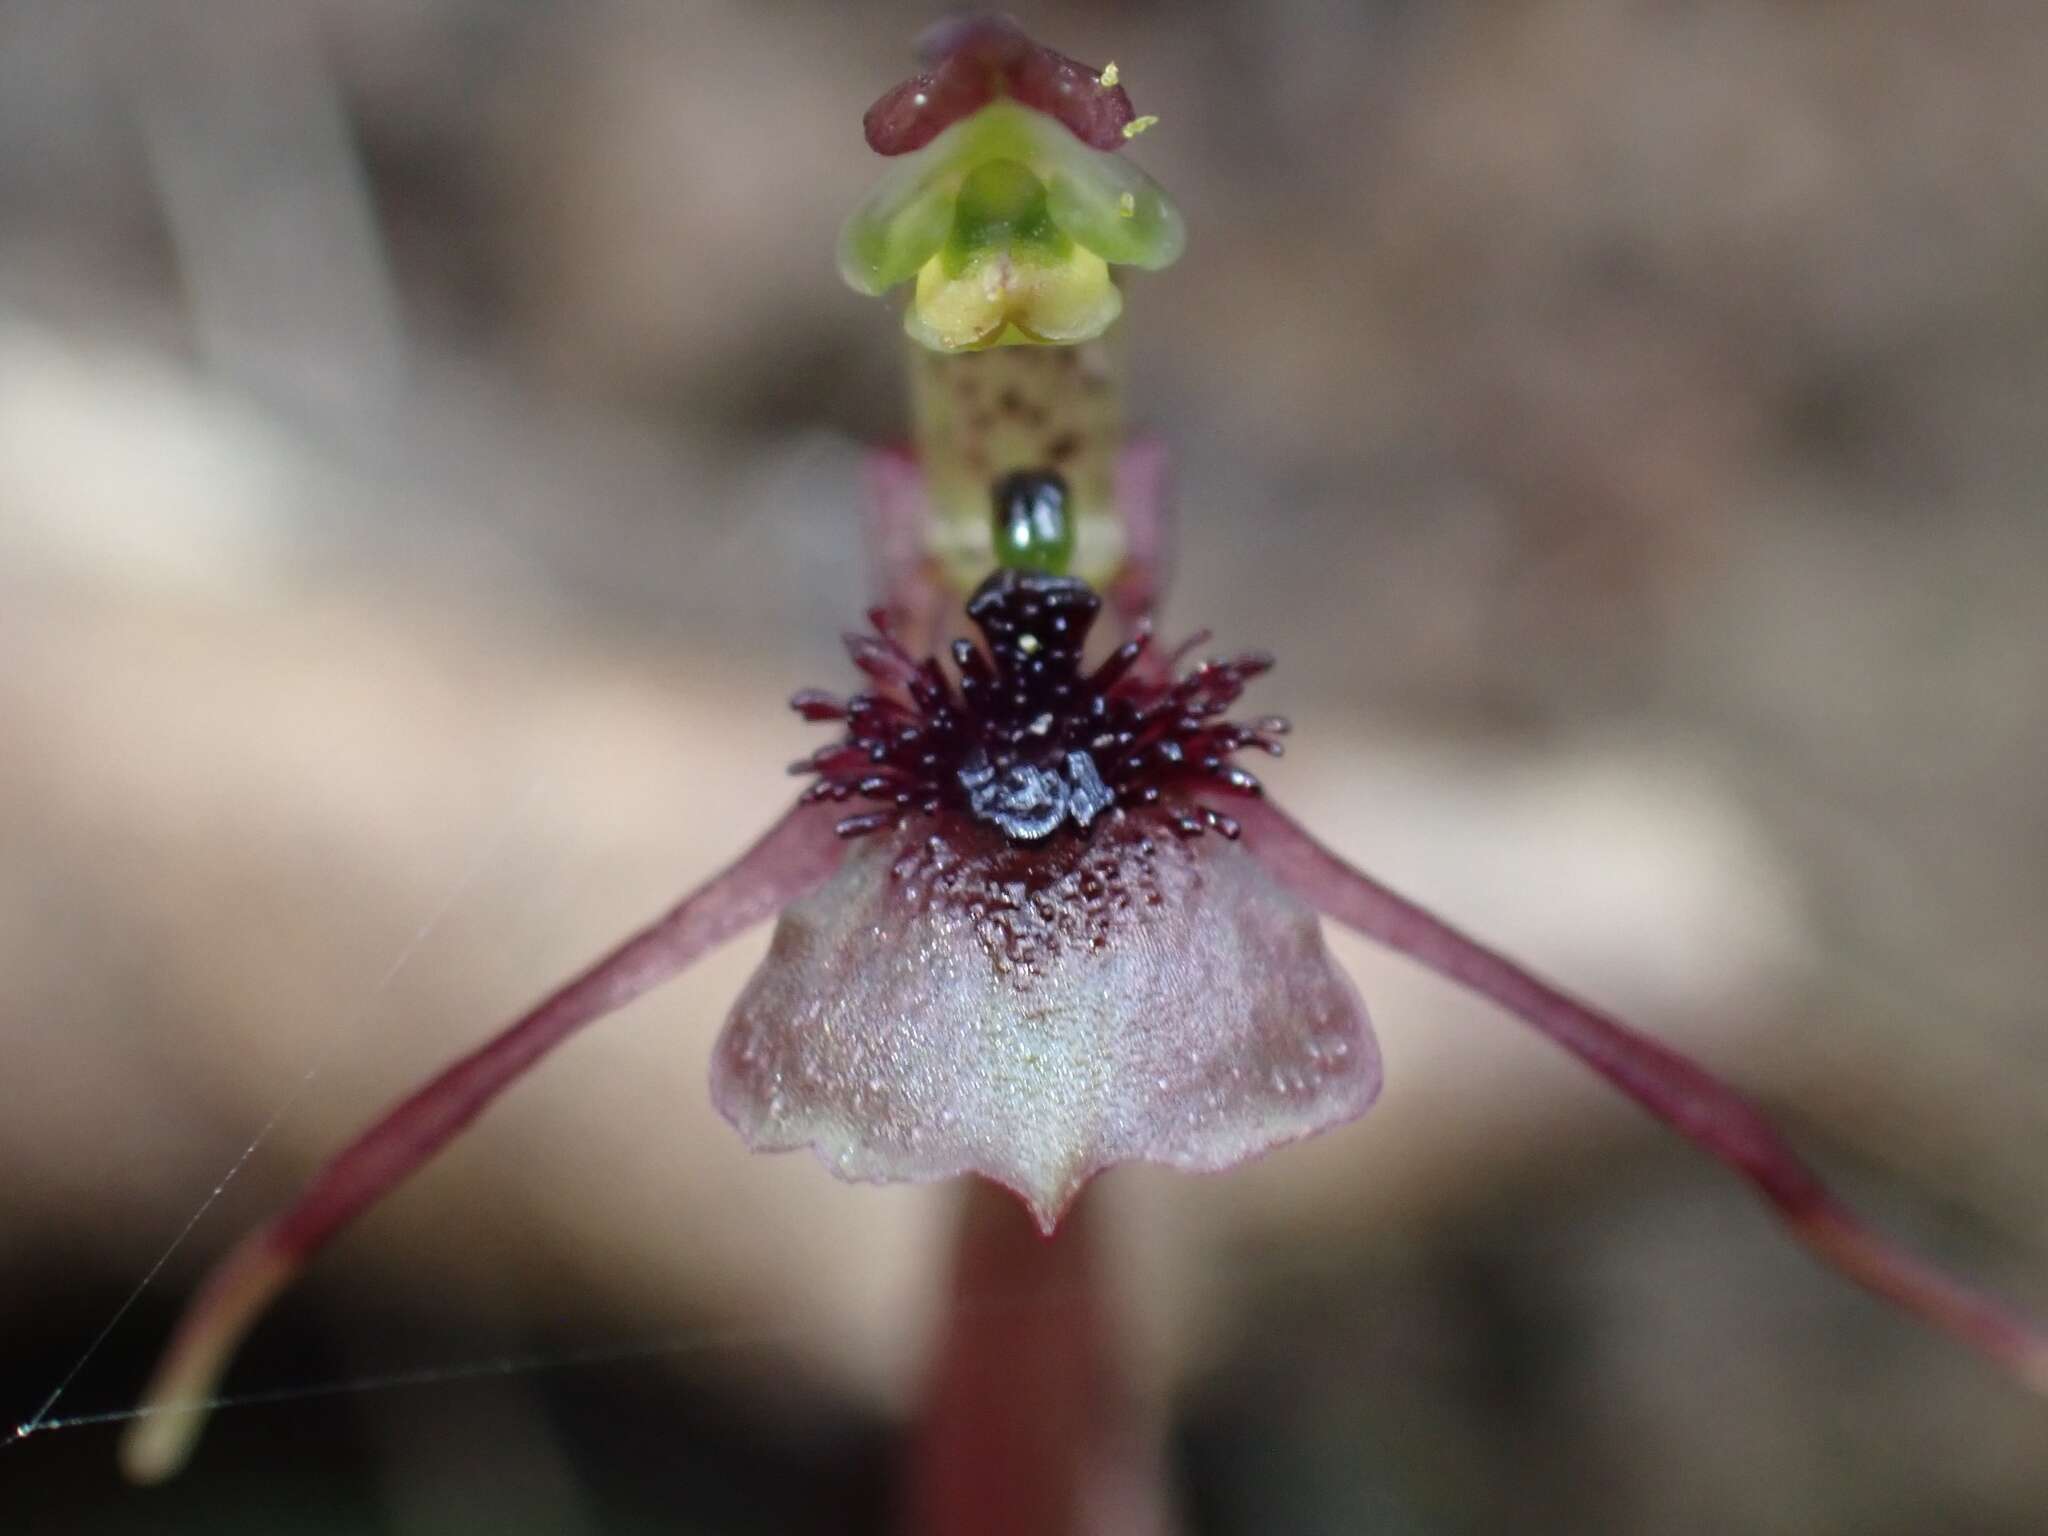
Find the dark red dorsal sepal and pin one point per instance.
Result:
(969, 62)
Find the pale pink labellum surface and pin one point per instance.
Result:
(951, 1003)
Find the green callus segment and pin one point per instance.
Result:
(1032, 530)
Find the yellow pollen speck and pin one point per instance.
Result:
(1138, 125)
(1127, 206)
(1109, 76)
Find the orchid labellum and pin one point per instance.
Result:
(1035, 917)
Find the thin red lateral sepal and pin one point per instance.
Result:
(1683, 1095)
(798, 853)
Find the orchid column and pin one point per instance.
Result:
(1007, 206)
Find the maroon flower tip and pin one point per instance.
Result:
(972, 60)
(1027, 741)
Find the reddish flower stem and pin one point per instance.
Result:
(1028, 1427)
(797, 853)
(1676, 1091)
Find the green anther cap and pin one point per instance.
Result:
(1001, 203)
(1032, 529)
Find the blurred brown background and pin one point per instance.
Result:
(428, 458)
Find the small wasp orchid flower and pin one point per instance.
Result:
(1036, 918)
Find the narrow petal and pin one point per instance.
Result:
(796, 855)
(901, 568)
(1676, 1091)
(951, 1003)
(1145, 503)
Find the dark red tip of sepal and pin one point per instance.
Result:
(969, 62)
